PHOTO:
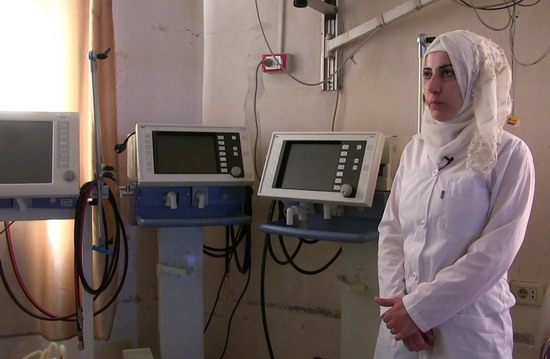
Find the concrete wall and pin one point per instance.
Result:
(159, 60)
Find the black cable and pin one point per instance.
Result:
(280, 261)
(336, 71)
(121, 147)
(81, 208)
(289, 260)
(227, 253)
(262, 297)
(233, 313)
(81, 204)
(116, 251)
(309, 241)
(107, 278)
(223, 255)
(23, 308)
(112, 266)
(262, 282)
(247, 236)
(281, 214)
(256, 121)
(494, 7)
(228, 256)
(49, 317)
(290, 257)
(335, 110)
(244, 232)
(502, 28)
(224, 251)
(118, 218)
(215, 301)
(21, 284)
(6, 227)
(232, 243)
(528, 5)
(228, 250)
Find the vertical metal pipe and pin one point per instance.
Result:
(421, 41)
(330, 62)
(97, 145)
(282, 21)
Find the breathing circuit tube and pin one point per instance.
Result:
(110, 265)
(111, 261)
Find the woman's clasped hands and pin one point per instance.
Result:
(401, 325)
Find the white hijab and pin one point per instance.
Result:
(484, 78)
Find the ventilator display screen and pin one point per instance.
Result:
(26, 152)
(185, 152)
(309, 166)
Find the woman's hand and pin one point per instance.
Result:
(397, 319)
(419, 341)
(401, 325)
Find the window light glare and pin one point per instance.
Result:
(33, 76)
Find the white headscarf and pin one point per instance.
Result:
(484, 78)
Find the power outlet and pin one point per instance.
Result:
(530, 293)
(275, 62)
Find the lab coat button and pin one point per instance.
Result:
(414, 276)
(434, 173)
(422, 224)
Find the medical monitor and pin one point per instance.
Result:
(39, 154)
(323, 167)
(172, 155)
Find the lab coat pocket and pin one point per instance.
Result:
(465, 205)
(465, 336)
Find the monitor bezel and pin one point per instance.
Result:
(364, 192)
(146, 179)
(59, 186)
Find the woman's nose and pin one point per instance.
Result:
(433, 85)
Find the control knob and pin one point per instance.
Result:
(346, 190)
(236, 171)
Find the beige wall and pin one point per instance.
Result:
(159, 75)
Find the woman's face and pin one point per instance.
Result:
(441, 91)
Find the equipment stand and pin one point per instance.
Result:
(180, 292)
(87, 298)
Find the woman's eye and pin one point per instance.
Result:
(427, 74)
(448, 73)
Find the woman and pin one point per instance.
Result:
(457, 213)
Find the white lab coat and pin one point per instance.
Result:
(447, 239)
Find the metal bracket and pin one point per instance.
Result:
(330, 60)
(333, 40)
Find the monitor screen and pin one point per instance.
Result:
(39, 154)
(184, 152)
(327, 167)
(26, 149)
(172, 155)
(319, 175)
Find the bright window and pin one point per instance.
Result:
(33, 69)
